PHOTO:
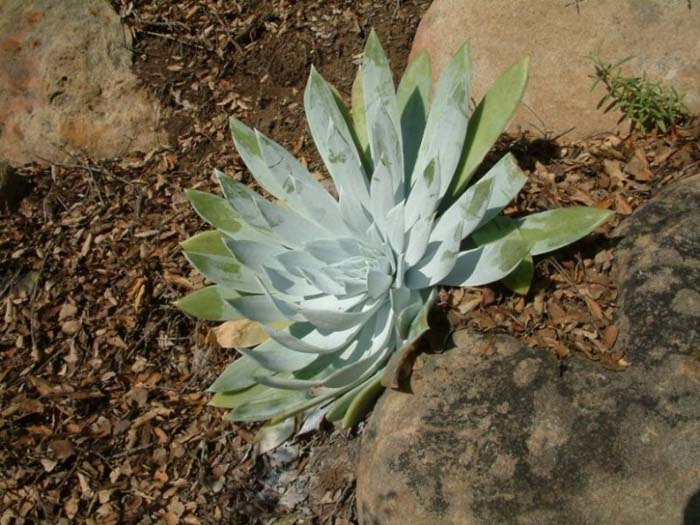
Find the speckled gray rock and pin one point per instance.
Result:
(496, 433)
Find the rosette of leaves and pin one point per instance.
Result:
(340, 287)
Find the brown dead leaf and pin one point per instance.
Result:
(70, 327)
(610, 336)
(243, 333)
(638, 166)
(62, 449)
(71, 507)
(621, 205)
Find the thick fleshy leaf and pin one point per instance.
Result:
(420, 323)
(424, 196)
(549, 230)
(271, 436)
(386, 151)
(446, 126)
(363, 402)
(489, 262)
(237, 376)
(508, 179)
(358, 118)
(413, 98)
(468, 211)
(520, 279)
(362, 148)
(340, 406)
(246, 142)
(206, 252)
(275, 357)
(217, 212)
(210, 303)
(443, 245)
(290, 228)
(257, 308)
(335, 143)
(303, 193)
(352, 366)
(489, 120)
(381, 109)
(302, 337)
(267, 405)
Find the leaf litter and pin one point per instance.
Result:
(103, 415)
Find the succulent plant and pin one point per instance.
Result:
(337, 288)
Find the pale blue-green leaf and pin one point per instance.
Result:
(382, 196)
(488, 263)
(322, 281)
(238, 375)
(420, 323)
(270, 405)
(233, 398)
(489, 120)
(363, 402)
(413, 98)
(508, 180)
(253, 254)
(275, 357)
(520, 279)
(447, 121)
(217, 212)
(361, 147)
(271, 436)
(378, 87)
(358, 118)
(439, 258)
(289, 284)
(333, 250)
(405, 318)
(303, 193)
(335, 143)
(354, 364)
(257, 308)
(386, 149)
(283, 223)
(424, 196)
(206, 252)
(340, 406)
(246, 142)
(417, 240)
(395, 232)
(210, 304)
(378, 283)
(302, 337)
(468, 212)
(550, 230)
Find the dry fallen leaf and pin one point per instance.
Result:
(243, 333)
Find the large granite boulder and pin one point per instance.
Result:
(558, 35)
(498, 433)
(66, 85)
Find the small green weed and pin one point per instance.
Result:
(646, 103)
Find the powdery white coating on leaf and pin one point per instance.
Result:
(354, 278)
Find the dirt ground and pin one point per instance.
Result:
(103, 415)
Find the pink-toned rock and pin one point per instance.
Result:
(66, 85)
(558, 35)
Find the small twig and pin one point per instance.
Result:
(178, 40)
